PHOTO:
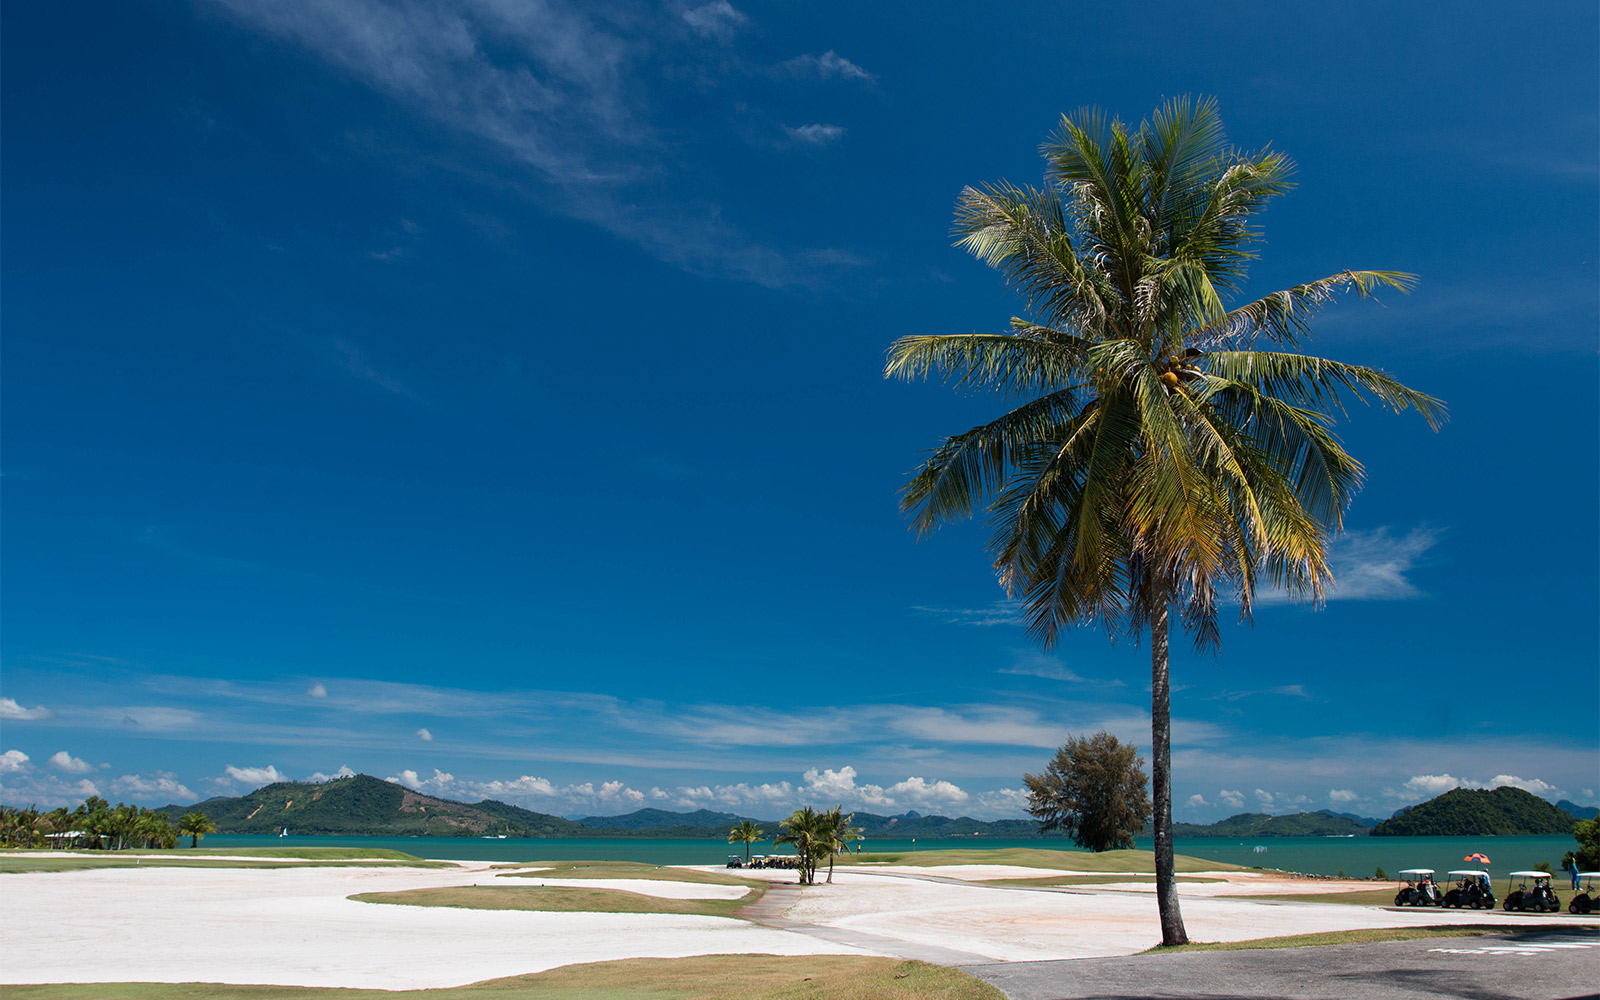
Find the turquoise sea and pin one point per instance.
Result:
(1356, 856)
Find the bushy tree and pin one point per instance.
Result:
(1095, 789)
(804, 830)
(1587, 833)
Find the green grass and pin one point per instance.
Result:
(1366, 936)
(304, 853)
(624, 869)
(1360, 897)
(1032, 857)
(556, 899)
(710, 977)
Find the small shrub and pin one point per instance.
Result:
(1380, 874)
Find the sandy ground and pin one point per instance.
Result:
(294, 926)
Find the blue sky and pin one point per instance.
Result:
(488, 395)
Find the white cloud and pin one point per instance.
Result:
(13, 762)
(317, 690)
(1371, 566)
(1534, 785)
(1009, 803)
(717, 19)
(841, 788)
(1282, 690)
(1197, 800)
(255, 776)
(998, 613)
(1231, 799)
(436, 785)
(46, 791)
(815, 134)
(11, 711)
(828, 65)
(1032, 663)
(424, 735)
(70, 764)
(343, 772)
(161, 784)
(1341, 795)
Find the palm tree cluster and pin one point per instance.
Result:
(102, 825)
(817, 835)
(1153, 455)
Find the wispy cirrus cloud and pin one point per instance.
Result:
(1372, 566)
(829, 65)
(1031, 663)
(815, 135)
(998, 613)
(557, 91)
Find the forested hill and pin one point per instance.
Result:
(1468, 812)
(1314, 824)
(366, 806)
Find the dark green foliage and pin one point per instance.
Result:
(1094, 788)
(1474, 812)
(1587, 833)
(1316, 824)
(1380, 874)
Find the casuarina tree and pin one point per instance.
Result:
(1163, 453)
(1094, 789)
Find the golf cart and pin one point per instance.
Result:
(1540, 898)
(1419, 889)
(1472, 889)
(734, 861)
(1584, 902)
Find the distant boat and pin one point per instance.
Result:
(284, 832)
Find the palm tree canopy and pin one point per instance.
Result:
(1155, 446)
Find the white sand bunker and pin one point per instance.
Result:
(294, 927)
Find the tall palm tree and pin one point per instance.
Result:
(1157, 457)
(195, 825)
(748, 832)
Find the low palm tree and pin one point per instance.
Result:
(748, 832)
(803, 830)
(195, 825)
(1158, 456)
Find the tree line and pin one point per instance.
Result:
(101, 826)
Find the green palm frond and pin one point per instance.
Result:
(1284, 317)
(1034, 359)
(1157, 455)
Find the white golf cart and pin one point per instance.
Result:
(1539, 897)
(1419, 889)
(1584, 902)
(1471, 888)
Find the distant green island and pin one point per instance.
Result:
(1474, 811)
(364, 806)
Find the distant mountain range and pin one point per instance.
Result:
(366, 806)
(1314, 824)
(1460, 812)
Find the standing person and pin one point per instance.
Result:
(1570, 862)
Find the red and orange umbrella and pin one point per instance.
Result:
(1481, 859)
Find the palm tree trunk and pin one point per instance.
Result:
(1172, 932)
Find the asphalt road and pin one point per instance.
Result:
(1516, 965)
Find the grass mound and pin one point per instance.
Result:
(556, 899)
